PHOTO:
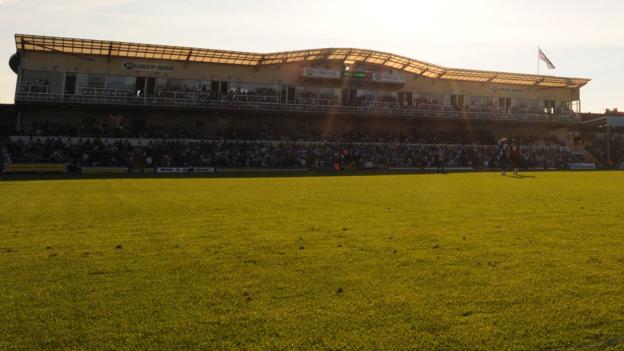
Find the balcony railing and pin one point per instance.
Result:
(255, 98)
(103, 91)
(33, 88)
(183, 95)
(207, 102)
(319, 101)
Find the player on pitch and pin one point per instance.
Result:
(502, 153)
(515, 156)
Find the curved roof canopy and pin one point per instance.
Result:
(348, 56)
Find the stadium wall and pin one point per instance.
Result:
(284, 74)
(8, 116)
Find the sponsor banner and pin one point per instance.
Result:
(321, 73)
(35, 168)
(582, 166)
(431, 169)
(104, 170)
(173, 169)
(261, 170)
(357, 75)
(389, 78)
(204, 170)
(140, 66)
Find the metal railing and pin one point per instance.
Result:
(185, 95)
(255, 98)
(34, 88)
(103, 91)
(319, 101)
(191, 101)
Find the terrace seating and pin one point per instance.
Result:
(315, 153)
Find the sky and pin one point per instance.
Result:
(583, 38)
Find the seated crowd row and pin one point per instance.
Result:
(267, 154)
(270, 131)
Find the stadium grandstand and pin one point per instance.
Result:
(103, 106)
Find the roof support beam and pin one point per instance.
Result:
(349, 53)
(260, 62)
(188, 58)
(60, 52)
(307, 55)
(327, 54)
(110, 52)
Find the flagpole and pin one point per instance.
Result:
(538, 60)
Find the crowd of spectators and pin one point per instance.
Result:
(423, 103)
(328, 155)
(263, 131)
(273, 154)
(322, 95)
(87, 152)
(318, 99)
(271, 145)
(609, 152)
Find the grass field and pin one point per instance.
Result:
(457, 262)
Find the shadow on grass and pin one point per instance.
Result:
(521, 176)
(251, 174)
(223, 175)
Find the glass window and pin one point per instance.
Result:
(82, 80)
(97, 81)
(205, 86)
(437, 99)
(181, 85)
(120, 83)
(161, 84)
(42, 82)
(255, 89)
(318, 93)
(329, 93)
(366, 93)
(91, 80)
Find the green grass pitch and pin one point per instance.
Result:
(407, 262)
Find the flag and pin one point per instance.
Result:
(543, 57)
